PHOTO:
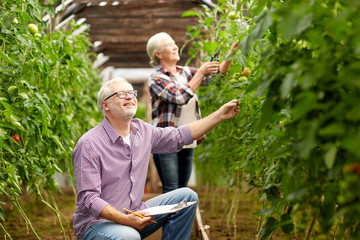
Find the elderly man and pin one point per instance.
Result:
(110, 165)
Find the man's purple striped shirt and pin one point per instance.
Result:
(108, 171)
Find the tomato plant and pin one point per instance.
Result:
(47, 100)
(298, 127)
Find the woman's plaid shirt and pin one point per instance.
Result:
(167, 97)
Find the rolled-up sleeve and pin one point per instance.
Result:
(170, 139)
(167, 91)
(87, 167)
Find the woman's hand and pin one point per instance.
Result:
(234, 47)
(225, 65)
(209, 68)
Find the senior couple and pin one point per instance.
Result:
(111, 160)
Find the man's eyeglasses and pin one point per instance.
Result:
(123, 94)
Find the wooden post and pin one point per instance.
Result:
(202, 229)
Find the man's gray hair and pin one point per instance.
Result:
(106, 91)
(153, 45)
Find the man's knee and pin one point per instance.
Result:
(190, 194)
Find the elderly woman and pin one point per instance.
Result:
(174, 103)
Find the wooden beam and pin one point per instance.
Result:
(143, 62)
(125, 47)
(143, 10)
(129, 24)
(130, 2)
(130, 38)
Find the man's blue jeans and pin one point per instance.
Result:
(174, 168)
(176, 226)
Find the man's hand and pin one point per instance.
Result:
(229, 110)
(137, 222)
(130, 220)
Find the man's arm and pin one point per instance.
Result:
(130, 220)
(202, 126)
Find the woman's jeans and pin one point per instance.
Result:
(174, 168)
(176, 226)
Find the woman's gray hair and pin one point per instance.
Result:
(106, 91)
(153, 45)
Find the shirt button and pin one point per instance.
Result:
(132, 179)
(131, 196)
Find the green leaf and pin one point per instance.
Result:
(332, 129)
(305, 102)
(58, 142)
(3, 134)
(43, 101)
(276, 133)
(268, 228)
(5, 57)
(189, 13)
(307, 141)
(266, 114)
(257, 6)
(50, 10)
(264, 20)
(351, 143)
(287, 85)
(2, 214)
(353, 114)
(264, 211)
(286, 223)
(330, 155)
(5, 146)
(13, 120)
(294, 21)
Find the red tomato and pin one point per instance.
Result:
(16, 138)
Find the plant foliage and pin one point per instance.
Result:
(296, 139)
(46, 99)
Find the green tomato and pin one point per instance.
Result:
(233, 81)
(232, 15)
(243, 79)
(15, 21)
(8, 181)
(33, 28)
(236, 75)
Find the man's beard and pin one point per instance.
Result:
(122, 113)
(129, 114)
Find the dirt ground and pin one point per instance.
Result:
(211, 204)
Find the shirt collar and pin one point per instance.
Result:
(113, 135)
(164, 71)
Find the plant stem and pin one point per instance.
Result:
(6, 233)
(27, 220)
(58, 214)
(229, 215)
(336, 229)
(308, 232)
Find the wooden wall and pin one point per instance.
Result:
(125, 28)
